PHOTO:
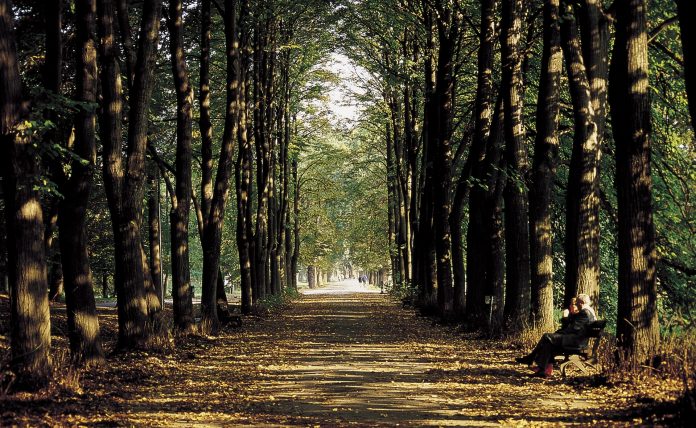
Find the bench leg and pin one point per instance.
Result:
(573, 363)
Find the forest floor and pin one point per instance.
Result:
(343, 355)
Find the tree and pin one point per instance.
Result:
(473, 173)
(637, 326)
(544, 170)
(516, 210)
(30, 337)
(181, 202)
(125, 181)
(83, 325)
(214, 223)
(582, 209)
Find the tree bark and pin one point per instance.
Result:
(475, 235)
(637, 326)
(131, 318)
(582, 207)
(517, 296)
(213, 226)
(125, 186)
(243, 173)
(83, 325)
(544, 171)
(155, 230)
(204, 123)
(52, 79)
(440, 130)
(311, 276)
(181, 204)
(30, 332)
(296, 223)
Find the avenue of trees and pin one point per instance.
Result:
(517, 152)
(116, 111)
(537, 150)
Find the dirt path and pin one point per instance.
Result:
(340, 356)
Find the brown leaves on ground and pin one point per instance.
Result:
(328, 360)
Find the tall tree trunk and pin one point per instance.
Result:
(582, 208)
(105, 284)
(126, 39)
(688, 39)
(56, 284)
(132, 318)
(52, 79)
(125, 186)
(205, 126)
(137, 272)
(475, 235)
(637, 327)
(213, 226)
(30, 332)
(295, 223)
(544, 171)
(243, 182)
(448, 34)
(181, 207)
(426, 242)
(155, 230)
(83, 326)
(595, 51)
(517, 296)
(311, 276)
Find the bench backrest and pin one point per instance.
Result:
(595, 328)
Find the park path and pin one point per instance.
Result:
(342, 355)
(345, 355)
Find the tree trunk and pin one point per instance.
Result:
(440, 129)
(582, 208)
(83, 325)
(105, 285)
(52, 79)
(205, 126)
(132, 318)
(517, 296)
(544, 171)
(56, 283)
(213, 226)
(243, 188)
(311, 278)
(155, 230)
(296, 223)
(426, 228)
(181, 206)
(30, 331)
(637, 326)
(125, 186)
(475, 165)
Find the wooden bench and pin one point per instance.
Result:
(579, 359)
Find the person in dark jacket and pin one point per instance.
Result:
(572, 335)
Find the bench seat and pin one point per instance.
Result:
(579, 358)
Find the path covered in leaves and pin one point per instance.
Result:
(340, 356)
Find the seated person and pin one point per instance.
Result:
(570, 336)
(567, 313)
